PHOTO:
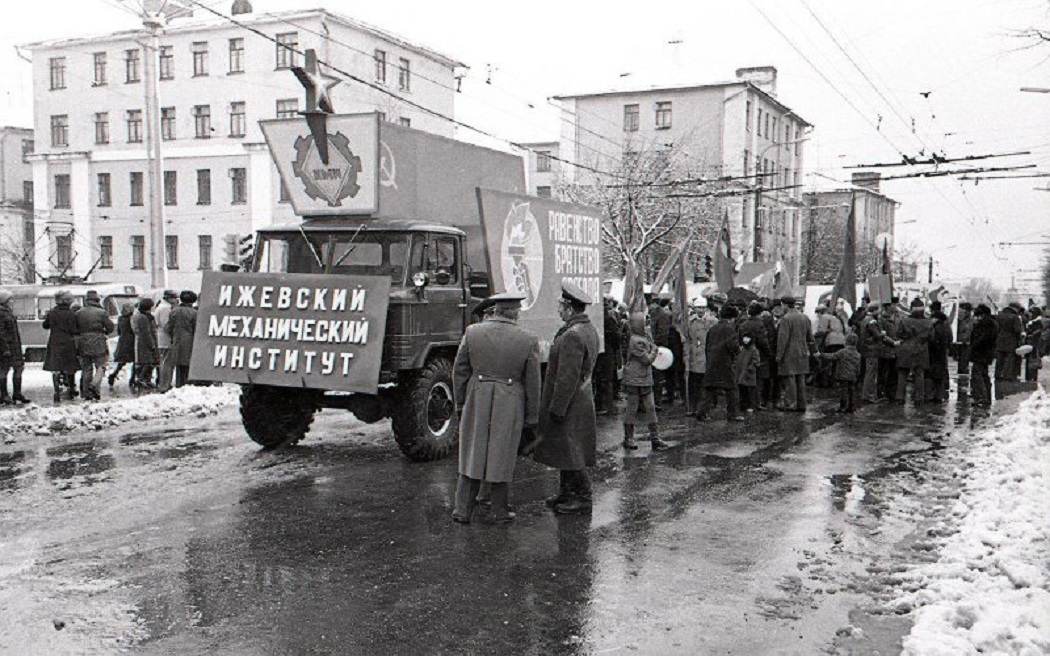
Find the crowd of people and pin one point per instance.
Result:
(155, 344)
(758, 355)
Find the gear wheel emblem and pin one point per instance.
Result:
(331, 182)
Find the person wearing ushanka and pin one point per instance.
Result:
(568, 433)
(496, 384)
(93, 326)
(11, 357)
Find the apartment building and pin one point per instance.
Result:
(824, 225)
(735, 130)
(17, 237)
(217, 79)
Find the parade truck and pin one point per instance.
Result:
(361, 303)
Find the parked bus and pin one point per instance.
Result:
(30, 304)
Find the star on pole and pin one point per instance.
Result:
(317, 83)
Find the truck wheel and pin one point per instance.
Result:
(425, 423)
(275, 417)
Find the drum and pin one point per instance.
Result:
(664, 358)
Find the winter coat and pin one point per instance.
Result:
(10, 339)
(145, 328)
(1034, 338)
(847, 363)
(915, 333)
(161, 312)
(125, 351)
(496, 384)
(182, 323)
(940, 340)
(964, 327)
(870, 338)
(61, 354)
(890, 324)
(662, 321)
(1010, 329)
(747, 366)
(638, 369)
(983, 339)
(794, 344)
(93, 324)
(722, 348)
(572, 443)
(830, 331)
(698, 328)
(755, 328)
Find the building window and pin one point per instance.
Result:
(543, 161)
(99, 59)
(28, 146)
(543, 191)
(63, 251)
(134, 121)
(102, 128)
(287, 45)
(747, 117)
(132, 69)
(380, 58)
(237, 119)
(405, 121)
(171, 188)
(630, 118)
(166, 65)
(765, 132)
(204, 186)
(167, 123)
(288, 108)
(171, 251)
(136, 188)
(663, 115)
(404, 74)
(105, 196)
(200, 58)
(236, 55)
(202, 121)
(60, 130)
(105, 252)
(747, 162)
(138, 252)
(382, 116)
(204, 252)
(758, 127)
(62, 191)
(239, 186)
(27, 192)
(58, 72)
(798, 139)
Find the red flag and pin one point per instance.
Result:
(724, 264)
(846, 281)
(666, 271)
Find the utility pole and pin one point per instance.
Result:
(155, 16)
(930, 276)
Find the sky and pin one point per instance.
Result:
(878, 80)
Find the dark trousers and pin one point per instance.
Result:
(467, 490)
(918, 380)
(980, 383)
(696, 390)
(771, 386)
(748, 397)
(574, 484)
(16, 379)
(1005, 365)
(182, 375)
(847, 389)
(711, 400)
(603, 379)
(888, 378)
(937, 383)
(963, 360)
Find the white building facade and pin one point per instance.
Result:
(735, 130)
(16, 206)
(90, 172)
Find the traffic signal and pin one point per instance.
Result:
(709, 269)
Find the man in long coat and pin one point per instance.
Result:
(913, 354)
(722, 347)
(11, 356)
(795, 345)
(567, 423)
(1009, 338)
(496, 384)
(181, 326)
(93, 325)
(61, 355)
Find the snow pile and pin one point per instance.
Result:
(989, 591)
(48, 420)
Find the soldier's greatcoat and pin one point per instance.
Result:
(571, 444)
(496, 382)
(794, 344)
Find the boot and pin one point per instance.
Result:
(16, 389)
(628, 437)
(71, 387)
(654, 438)
(4, 398)
(112, 378)
(56, 382)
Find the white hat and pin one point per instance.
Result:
(698, 302)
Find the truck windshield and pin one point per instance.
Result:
(364, 253)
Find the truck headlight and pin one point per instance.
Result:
(420, 279)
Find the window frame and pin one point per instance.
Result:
(166, 63)
(632, 113)
(136, 189)
(543, 161)
(57, 73)
(404, 74)
(233, 69)
(202, 121)
(99, 64)
(238, 120)
(204, 185)
(104, 187)
(200, 58)
(138, 252)
(60, 130)
(105, 251)
(63, 191)
(101, 122)
(133, 121)
(286, 55)
(168, 123)
(238, 185)
(205, 250)
(283, 112)
(171, 252)
(380, 57)
(663, 115)
(132, 66)
(171, 188)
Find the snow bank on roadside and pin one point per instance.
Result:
(989, 591)
(47, 420)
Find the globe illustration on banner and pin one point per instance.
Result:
(521, 254)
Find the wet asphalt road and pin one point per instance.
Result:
(768, 536)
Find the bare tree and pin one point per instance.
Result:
(979, 290)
